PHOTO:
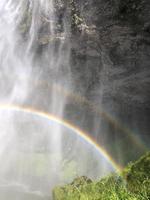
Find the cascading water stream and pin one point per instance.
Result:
(21, 24)
(34, 48)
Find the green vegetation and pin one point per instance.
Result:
(132, 184)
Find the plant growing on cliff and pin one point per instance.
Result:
(132, 184)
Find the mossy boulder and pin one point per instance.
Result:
(61, 193)
(83, 180)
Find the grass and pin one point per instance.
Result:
(132, 184)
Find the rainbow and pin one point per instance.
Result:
(76, 98)
(76, 130)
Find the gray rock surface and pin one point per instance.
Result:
(110, 64)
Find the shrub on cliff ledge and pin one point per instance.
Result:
(133, 184)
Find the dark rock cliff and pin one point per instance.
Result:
(110, 65)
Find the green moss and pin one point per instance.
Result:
(132, 184)
(137, 176)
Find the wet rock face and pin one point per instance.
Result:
(111, 58)
(121, 46)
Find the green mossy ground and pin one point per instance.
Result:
(132, 184)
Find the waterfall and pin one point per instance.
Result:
(24, 24)
(35, 73)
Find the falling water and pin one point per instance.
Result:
(34, 53)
